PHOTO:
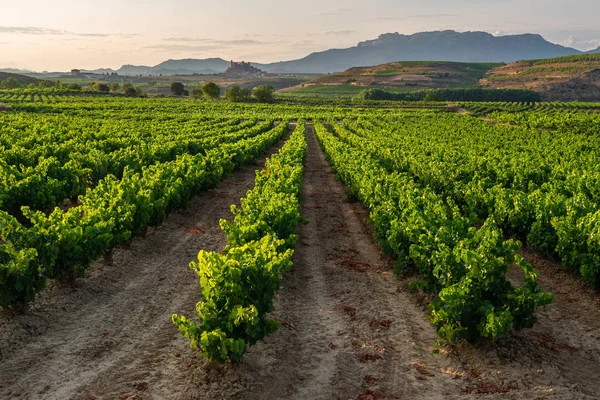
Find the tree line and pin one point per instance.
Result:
(234, 93)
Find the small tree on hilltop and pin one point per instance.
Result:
(196, 93)
(177, 88)
(211, 90)
(263, 93)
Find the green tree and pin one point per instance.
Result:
(44, 84)
(114, 87)
(127, 85)
(245, 94)
(264, 93)
(177, 88)
(233, 93)
(211, 90)
(430, 96)
(100, 87)
(196, 93)
(130, 91)
(73, 86)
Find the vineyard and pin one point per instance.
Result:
(341, 251)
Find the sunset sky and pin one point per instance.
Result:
(63, 34)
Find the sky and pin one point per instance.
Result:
(59, 35)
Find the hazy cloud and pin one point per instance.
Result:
(36, 30)
(336, 11)
(417, 16)
(581, 44)
(340, 33)
(227, 42)
(183, 47)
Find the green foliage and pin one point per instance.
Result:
(264, 93)
(10, 83)
(465, 94)
(465, 266)
(235, 94)
(62, 244)
(177, 88)
(100, 87)
(211, 90)
(197, 93)
(430, 97)
(239, 286)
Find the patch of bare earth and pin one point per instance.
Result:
(349, 328)
(112, 337)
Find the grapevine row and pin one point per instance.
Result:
(464, 266)
(239, 285)
(62, 245)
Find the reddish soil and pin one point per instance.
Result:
(350, 329)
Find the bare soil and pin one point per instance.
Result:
(111, 336)
(350, 328)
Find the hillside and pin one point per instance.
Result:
(562, 78)
(410, 74)
(24, 80)
(449, 45)
(444, 45)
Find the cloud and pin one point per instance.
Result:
(183, 47)
(339, 33)
(36, 30)
(225, 42)
(581, 44)
(336, 11)
(417, 16)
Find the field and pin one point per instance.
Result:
(562, 78)
(342, 252)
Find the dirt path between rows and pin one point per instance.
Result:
(112, 337)
(350, 329)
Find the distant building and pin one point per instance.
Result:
(75, 73)
(242, 64)
(242, 70)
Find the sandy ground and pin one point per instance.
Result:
(350, 329)
(111, 337)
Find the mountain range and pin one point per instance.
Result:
(439, 45)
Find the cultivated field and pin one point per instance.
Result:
(372, 253)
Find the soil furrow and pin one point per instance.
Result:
(112, 335)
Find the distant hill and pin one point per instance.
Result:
(443, 45)
(24, 80)
(562, 78)
(410, 75)
(178, 67)
(449, 45)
